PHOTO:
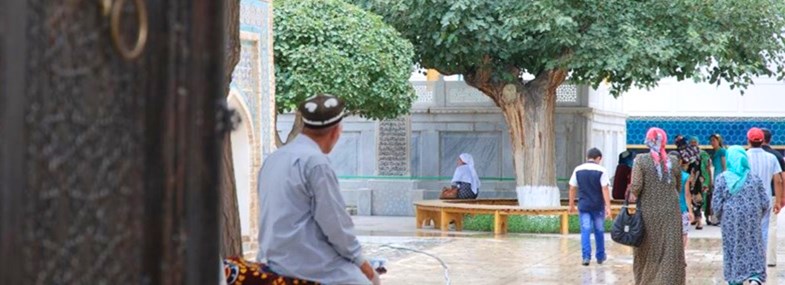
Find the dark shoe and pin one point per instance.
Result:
(699, 227)
(772, 265)
(585, 262)
(600, 261)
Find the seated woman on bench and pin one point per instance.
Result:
(465, 178)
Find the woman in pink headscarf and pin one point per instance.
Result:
(656, 180)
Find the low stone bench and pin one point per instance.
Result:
(441, 212)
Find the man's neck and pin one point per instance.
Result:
(320, 141)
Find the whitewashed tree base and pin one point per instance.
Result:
(538, 196)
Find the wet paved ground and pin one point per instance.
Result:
(480, 258)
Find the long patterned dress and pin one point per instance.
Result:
(740, 215)
(660, 257)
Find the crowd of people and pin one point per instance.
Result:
(736, 188)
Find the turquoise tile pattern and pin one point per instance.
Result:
(733, 129)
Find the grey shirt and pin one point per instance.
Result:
(304, 229)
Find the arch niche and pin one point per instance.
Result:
(244, 151)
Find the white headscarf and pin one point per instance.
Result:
(466, 173)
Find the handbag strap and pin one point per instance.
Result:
(637, 202)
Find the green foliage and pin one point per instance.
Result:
(628, 43)
(329, 46)
(525, 224)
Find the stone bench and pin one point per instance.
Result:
(442, 212)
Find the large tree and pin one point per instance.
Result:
(329, 46)
(626, 43)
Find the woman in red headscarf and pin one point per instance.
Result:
(656, 180)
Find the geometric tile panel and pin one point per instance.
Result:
(246, 75)
(567, 93)
(424, 93)
(251, 14)
(733, 129)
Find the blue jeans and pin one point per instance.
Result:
(592, 222)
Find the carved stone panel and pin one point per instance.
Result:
(393, 141)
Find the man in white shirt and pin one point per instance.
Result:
(590, 180)
(766, 166)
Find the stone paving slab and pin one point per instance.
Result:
(481, 258)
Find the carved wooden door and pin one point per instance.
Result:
(110, 123)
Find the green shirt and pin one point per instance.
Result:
(704, 159)
(716, 160)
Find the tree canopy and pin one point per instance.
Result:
(626, 43)
(330, 46)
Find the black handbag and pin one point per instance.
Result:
(628, 228)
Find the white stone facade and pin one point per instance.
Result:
(686, 98)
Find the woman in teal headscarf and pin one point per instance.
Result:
(739, 202)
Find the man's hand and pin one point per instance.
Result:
(572, 208)
(608, 211)
(783, 203)
(376, 280)
(692, 216)
(368, 270)
(632, 198)
(777, 208)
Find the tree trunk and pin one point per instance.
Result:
(231, 235)
(297, 127)
(529, 112)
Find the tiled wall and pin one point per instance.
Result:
(733, 129)
(253, 83)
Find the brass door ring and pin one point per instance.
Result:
(141, 38)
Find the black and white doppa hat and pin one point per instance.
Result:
(322, 111)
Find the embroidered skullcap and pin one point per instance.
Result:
(321, 111)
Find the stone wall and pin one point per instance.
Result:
(441, 127)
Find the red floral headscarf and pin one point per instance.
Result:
(656, 140)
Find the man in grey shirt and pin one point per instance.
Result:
(305, 231)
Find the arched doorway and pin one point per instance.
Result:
(243, 152)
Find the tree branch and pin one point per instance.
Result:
(297, 127)
(278, 141)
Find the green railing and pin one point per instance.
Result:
(432, 178)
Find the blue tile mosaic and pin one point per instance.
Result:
(733, 129)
